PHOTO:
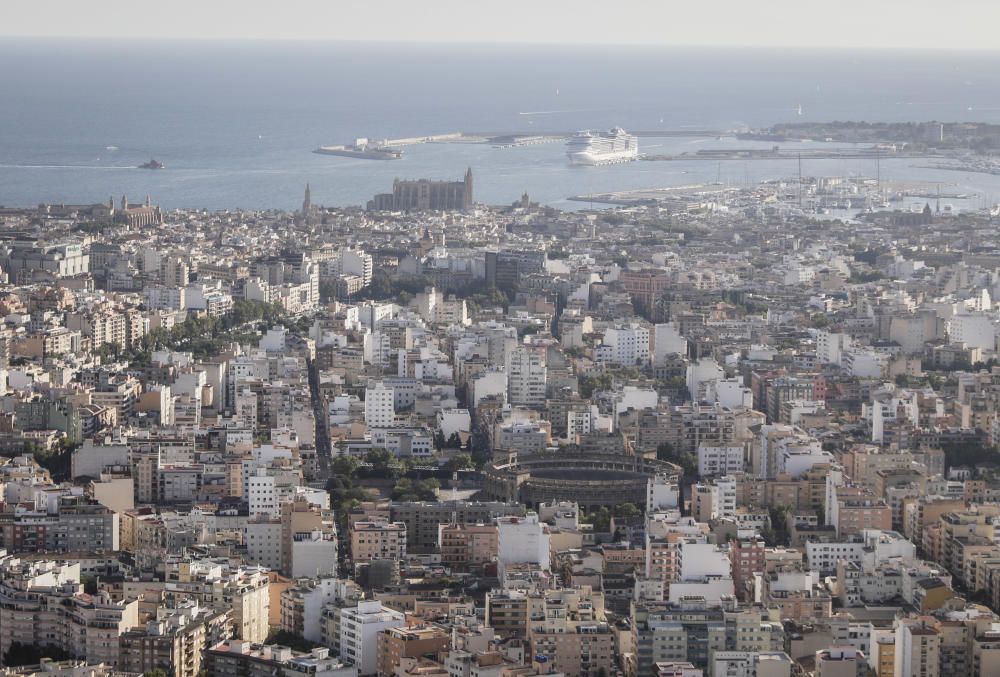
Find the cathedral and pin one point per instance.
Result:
(425, 194)
(308, 213)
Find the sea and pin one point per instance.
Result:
(235, 122)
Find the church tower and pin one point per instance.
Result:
(467, 197)
(306, 203)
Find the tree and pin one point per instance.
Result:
(459, 462)
(108, 351)
(600, 519)
(344, 466)
(780, 524)
(819, 321)
(32, 654)
(383, 464)
(665, 451)
(344, 497)
(627, 510)
(327, 290)
(969, 454)
(292, 640)
(57, 461)
(687, 461)
(415, 490)
(591, 384)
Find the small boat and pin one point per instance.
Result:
(152, 164)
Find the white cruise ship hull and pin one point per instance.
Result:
(589, 159)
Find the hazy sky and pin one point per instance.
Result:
(844, 23)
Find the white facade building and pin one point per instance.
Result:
(380, 410)
(720, 460)
(629, 345)
(314, 554)
(359, 630)
(526, 378)
(975, 330)
(700, 373)
(522, 540)
(262, 494)
(662, 493)
(831, 346)
(451, 421)
(357, 262)
(667, 341)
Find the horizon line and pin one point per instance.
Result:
(812, 47)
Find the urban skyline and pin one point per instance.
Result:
(401, 360)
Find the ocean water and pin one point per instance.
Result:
(235, 122)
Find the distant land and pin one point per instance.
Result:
(981, 137)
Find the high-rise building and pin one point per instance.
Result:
(526, 377)
(379, 406)
(918, 649)
(359, 630)
(174, 641)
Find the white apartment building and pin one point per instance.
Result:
(526, 378)
(359, 630)
(522, 540)
(831, 346)
(357, 262)
(158, 297)
(628, 345)
(379, 407)
(262, 494)
(667, 341)
(720, 460)
(263, 541)
(975, 330)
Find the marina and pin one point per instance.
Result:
(832, 196)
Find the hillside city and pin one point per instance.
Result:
(703, 435)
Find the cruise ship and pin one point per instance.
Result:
(602, 148)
